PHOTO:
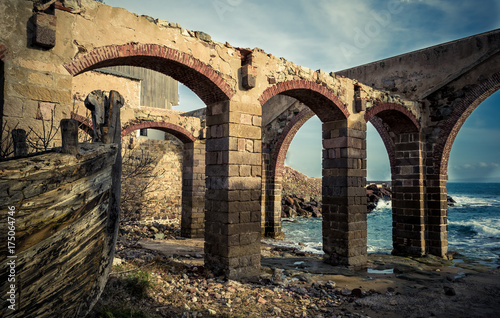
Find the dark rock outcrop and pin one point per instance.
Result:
(374, 193)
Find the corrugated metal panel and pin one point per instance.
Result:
(157, 90)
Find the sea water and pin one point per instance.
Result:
(473, 225)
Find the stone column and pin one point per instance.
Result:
(408, 212)
(233, 197)
(437, 215)
(271, 195)
(344, 193)
(193, 190)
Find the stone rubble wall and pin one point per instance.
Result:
(164, 200)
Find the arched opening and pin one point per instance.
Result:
(437, 226)
(210, 88)
(378, 168)
(474, 185)
(400, 133)
(193, 73)
(302, 187)
(152, 175)
(343, 164)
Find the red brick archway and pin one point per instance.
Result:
(181, 133)
(462, 111)
(286, 137)
(322, 101)
(389, 117)
(3, 52)
(198, 76)
(398, 117)
(85, 124)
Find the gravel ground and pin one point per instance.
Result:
(292, 284)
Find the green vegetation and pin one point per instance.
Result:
(137, 283)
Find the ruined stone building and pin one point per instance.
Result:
(255, 103)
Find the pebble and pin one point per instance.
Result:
(279, 293)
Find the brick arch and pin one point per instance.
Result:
(85, 124)
(181, 133)
(399, 118)
(286, 137)
(390, 117)
(388, 141)
(3, 52)
(462, 110)
(322, 101)
(201, 78)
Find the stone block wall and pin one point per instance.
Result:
(163, 197)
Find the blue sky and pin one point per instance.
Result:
(325, 34)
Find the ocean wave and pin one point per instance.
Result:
(489, 230)
(466, 200)
(309, 247)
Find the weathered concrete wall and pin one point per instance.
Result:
(417, 74)
(87, 82)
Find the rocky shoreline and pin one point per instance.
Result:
(301, 195)
(157, 273)
(166, 277)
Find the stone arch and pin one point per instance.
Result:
(201, 78)
(179, 132)
(193, 174)
(398, 117)
(343, 182)
(322, 101)
(400, 131)
(395, 118)
(462, 110)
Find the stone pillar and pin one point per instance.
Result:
(233, 197)
(344, 193)
(193, 190)
(271, 195)
(408, 213)
(437, 215)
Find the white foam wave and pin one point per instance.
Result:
(384, 204)
(467, 200)
(491, 229)
(314, 248)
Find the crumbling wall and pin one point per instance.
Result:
(87, 82)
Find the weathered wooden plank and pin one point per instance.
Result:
(32, 234)
(32, 166)
(75, 254)
(37, 182)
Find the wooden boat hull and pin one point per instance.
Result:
(66, 225)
